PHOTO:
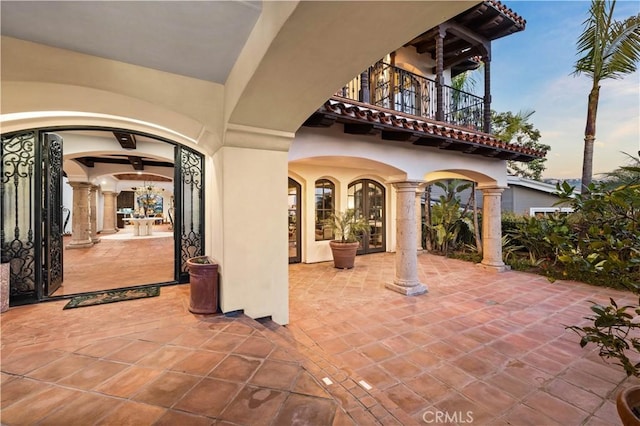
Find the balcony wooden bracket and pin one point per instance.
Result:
(362, 129)
(320, 120)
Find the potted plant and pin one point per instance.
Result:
(614, 330)
(347, 228)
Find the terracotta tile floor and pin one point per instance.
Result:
(115, 263)
(482, 347)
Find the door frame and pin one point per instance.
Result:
(364, 242)
(298, 218)
(194, 246)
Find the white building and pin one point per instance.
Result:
(229, 101)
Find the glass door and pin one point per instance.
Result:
(294, 203)
(368, 199)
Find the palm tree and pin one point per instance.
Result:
(610, 49)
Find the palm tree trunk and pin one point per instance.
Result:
(590, 136)
(427, 220)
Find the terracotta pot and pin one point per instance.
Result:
(344, 254)
(628, 404)
(203, 285)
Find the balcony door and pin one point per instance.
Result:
(367, 197)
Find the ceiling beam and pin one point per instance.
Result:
(136, 162)
(126, 140)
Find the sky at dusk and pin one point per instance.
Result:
(532, 70)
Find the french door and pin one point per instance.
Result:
(367, 197)
(294, 205)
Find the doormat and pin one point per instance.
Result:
(111, 296)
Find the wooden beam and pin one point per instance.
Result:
(136, 162)
(85, 161)
(320, 120)
(388, 135)
(362, 128)
(126, 140)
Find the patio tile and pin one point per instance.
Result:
(133, 414)
(307, 385)
(165, 357)
(254, 406)
(223, 342)
(209, 397)
(166, 389)
(459, 347)
(86, 406)
(199, 362)
(93, 374)
(173, 418)
(406, 399)
(303, 409)
(134, 351)
(61, 368)
(129, 381)
(490, 397)
(574, 395)
(401, 367)
(523, 415)
(277, 375)
(258, 347)
(376, 352)
(236, 368)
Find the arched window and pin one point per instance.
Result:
(325, 190)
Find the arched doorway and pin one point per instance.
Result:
(367, 197)
(294, 220)
(31, 195)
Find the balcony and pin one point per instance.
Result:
(393, 88)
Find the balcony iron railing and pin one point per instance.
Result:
(393, 88)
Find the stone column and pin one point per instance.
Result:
(406, 276)
(492, 230)
(110, 212)
(419, 193)
(80, 225)
(5, 272)
(93, 213)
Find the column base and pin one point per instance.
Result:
(95, 240)
(414, 290)
(79, 244)
(495, 267)
(5, 271)
(108, 231)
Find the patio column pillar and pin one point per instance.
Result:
(110, 212)
(486, 126)
(406, 275)
(93, 213)
(419, 193)
(492, 230)
(80, 225)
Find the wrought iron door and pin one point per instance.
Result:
(19, 212)
(52, 266)
(31, 200)
(189, 208)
